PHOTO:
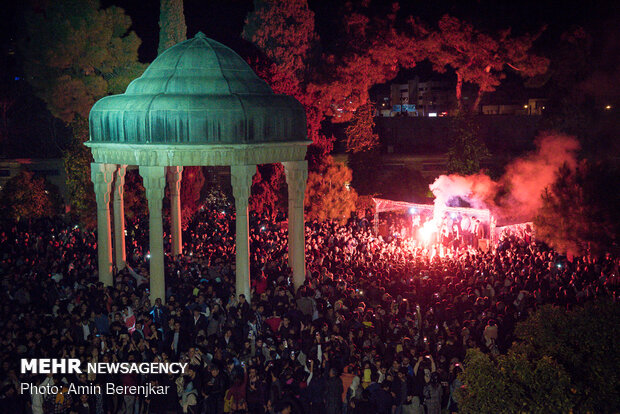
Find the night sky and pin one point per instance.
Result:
(223, 20)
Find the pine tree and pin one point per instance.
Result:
(172, 27)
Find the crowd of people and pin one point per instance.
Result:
(378, 327)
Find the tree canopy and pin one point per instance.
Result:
(27, 196)
(467, 150)
(360, 134)
(75, 52)
(480, 58)
(328, 193)
(579, 215)
(561, 361)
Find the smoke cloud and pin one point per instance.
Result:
(516, 196)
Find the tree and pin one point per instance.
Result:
(172, 27)
(134, 197)
(74, 53)
(77, 159)
(268, 187)
(513, 384)
(284, 31)
(27, 196)
(192, 182)
(579, 214)
(360, 134)
(328, 193)
(561, 361)
(585, 343)
(467, 149)
(480, 58)
(328, 84)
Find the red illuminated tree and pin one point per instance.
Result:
(480, 58)
(283, 30)
(192, 182)
(360, 134)
(268, 188)
(336, 82)
(370, 50)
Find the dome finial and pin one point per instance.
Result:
(200, 35)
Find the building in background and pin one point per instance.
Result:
(531, 106)
(417, 98)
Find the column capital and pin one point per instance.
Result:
(241, 180)
(119, 184)
(296, 178)
(174, 176)
(154, 181)
(101, 175)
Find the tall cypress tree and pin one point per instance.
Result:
(172, 27)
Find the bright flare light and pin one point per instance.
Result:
(427, 231)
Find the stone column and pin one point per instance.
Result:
(119, 218)
(241, 180)
(174, 186)
(296, 177)
(101, 176)
(154, 180)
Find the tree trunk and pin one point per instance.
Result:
(459, 91)
(474, 108)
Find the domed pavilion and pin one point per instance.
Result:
(197, 104)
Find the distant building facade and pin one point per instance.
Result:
(417, 98)
(533, 106)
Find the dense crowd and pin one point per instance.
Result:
(380, 326)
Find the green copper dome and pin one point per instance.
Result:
(198, 92)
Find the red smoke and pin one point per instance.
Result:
(516, 196)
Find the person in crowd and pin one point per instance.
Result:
(379, 324)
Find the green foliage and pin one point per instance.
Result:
(74, 53)
(172, 27)
(360, 134)
(562, 361)
(467, 150)
(77, 159)
(579, 214)
(513, 384)
(27, 196)
(586, 343)
(328, 193)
